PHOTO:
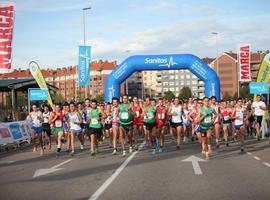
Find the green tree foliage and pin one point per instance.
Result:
(185, 93)
(169, 95)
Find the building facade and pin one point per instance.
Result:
(227, 70)
(65, 79)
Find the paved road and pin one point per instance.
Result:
(229, 174)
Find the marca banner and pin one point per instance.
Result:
(244, 63)
(36, 73)
(84, 65)
(6, 34)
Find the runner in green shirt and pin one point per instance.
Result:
(149, 112)
(95, 127)
(126, 123)
(207, 117)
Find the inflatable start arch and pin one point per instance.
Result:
(162, 62)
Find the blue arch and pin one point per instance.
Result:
(162, 62)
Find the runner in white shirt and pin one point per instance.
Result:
(36, 120)
(176, 111)
(46, 126)
(74, 122)
(258, 108)
(238, 115)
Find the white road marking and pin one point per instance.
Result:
(257, 158)
(249, 153)
(6, 162)
(106, 184)
(41, 172)
(195, 164)
(267, 164)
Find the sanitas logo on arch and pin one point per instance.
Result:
(161, 61)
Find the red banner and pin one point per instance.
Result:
(6, 34)
(244, 63)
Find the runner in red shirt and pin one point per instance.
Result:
(58, 126)
(161, 119)
(137, 121)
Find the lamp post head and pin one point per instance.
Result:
(214, 33)
(88, 8)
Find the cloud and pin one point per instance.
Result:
(48, 6)
(207, 10)
(159, 6)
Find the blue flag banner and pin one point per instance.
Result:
(84, 65)
(258, 88)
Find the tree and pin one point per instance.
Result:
(185, 93)
(58, 97)
(227, 96)
(169, 95)
(100, 97)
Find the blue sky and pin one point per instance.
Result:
(49, 31)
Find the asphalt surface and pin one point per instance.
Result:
(228, 174)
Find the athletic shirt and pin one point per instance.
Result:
(216, 108)
(161, 113)
(125, 116)
(115, 118)
(150, 115)
(239, 113)
(87, 113)
(185, 118)
(36, 122)
(108, 119)
(46, 117)
(84, 116)
(58, 123)
(74, 119)
(225, 116)
(178, 111)
(138, 110)
(195, 117)
(206, 122)
(95, 119)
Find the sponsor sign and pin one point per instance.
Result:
(244, 63)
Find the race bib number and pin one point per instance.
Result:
(124, 115)
(36, 121)
(150, 115)
(208, 120)
(176, 119)
(240, 115)
(161, 116)
(94, 121)
(137, 113)
(226, 118)
(58, 124)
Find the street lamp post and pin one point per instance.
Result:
(216, 35)
(85, 9)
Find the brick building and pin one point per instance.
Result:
(227, 71)
(66, 79)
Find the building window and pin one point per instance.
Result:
(171, 83)
(188, 76)
(182, 76)
(194, 82)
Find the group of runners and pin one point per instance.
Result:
(124, 123)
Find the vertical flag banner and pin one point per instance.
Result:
(6, 35)
(36, 73)
(264, 70)
(244, 63)
(84, 65)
